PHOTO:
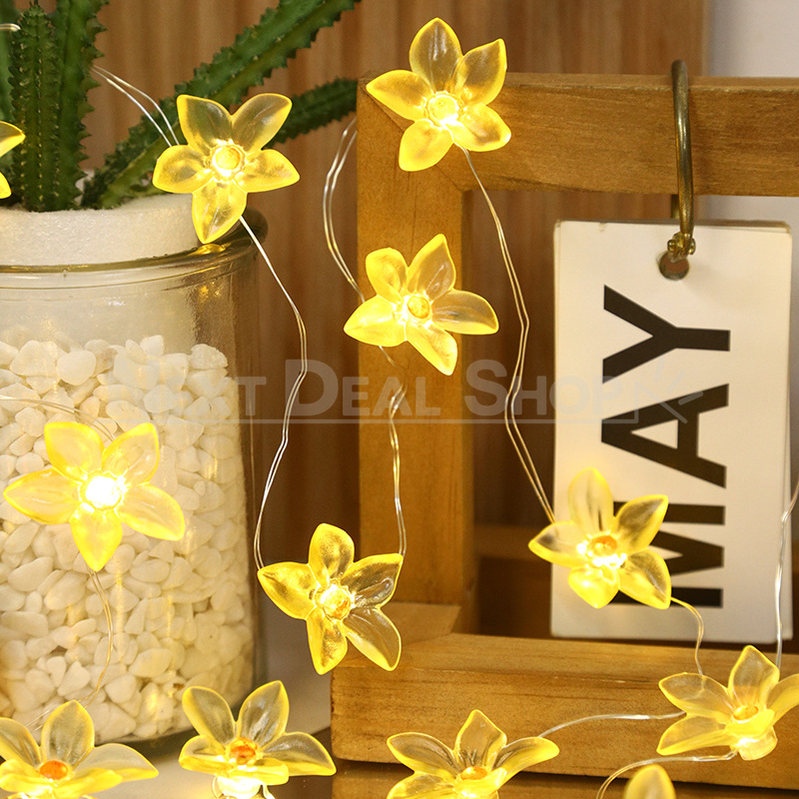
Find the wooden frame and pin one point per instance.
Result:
(596, 133)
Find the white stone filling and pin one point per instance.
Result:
(182, 610)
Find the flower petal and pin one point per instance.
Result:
(432, 271)
(754, 749)
(424, 754)
(698, 695)
(388, 273)
(372, 580)
(45, 496)
(210, 714)
(68, 734)
(326, 640)
(204, 123)
(16, 743)
(478, 742)
(558, 542)
(264, 713)
(422, 786)
(290, 586)
(405, 93)
(330, 553)
(435, 52)
(423, 145)
(464, 312)
(18, 776)
(435, 345)
(127, 763)
(215, 208)
(638, 521)
(259, 119)
(374, 634)
(153, 512)
(254, 774)
(76, 450)
(133, 456)
(596, 586)
(84, 780)
(10, 137)
(591, 503)
(480, 129)
(480, 74)
(650, 782)
(203, 754)
(97, 533)
(377, 322)
(5, 189)
(300, 753)
(752, 678)
(693, 732)
(645, 577)
(265, 171)
(784, 696)
(523, 753)
(181, 170)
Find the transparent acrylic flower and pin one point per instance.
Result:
(98, 490)
(446, 95)
(650, 782)
(608, 553)
(10, 137)
(419, 304)
(67, 765)
(223, 160)
(479, 765)
(339, 599)
(253, 751)
(741, 715)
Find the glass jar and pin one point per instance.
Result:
(164, 340)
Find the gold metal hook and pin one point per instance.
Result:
(674, 262)
(9, 26)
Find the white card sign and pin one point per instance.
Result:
(678, 387)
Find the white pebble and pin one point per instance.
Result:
(31, 421)
(40, 685)
(121, 689)
(22, 446)
(153, 571)
(151, 662)
(181, 433)
(29, 462)
(205, 357)
(153, 346)
(8, 466)
(31, 624)
(10, 599)
(7, 353)
(76, 367)
(67, 591)
(76, 677)
(56, 668)
(29, 577)
(36, 358)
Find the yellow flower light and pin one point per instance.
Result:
(479, 765)
(10, 137)
(339, 599)
(651, 782)
(98, 490)
(223, 160)
(419, 304)
(253, 751)
(608, 553)
(67, 765)
(446, 95)
(741, 715)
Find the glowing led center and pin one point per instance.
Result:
(228, 159)
(102, 492)
(602, 550)
(242, 751)
(474, 773)
(418, 306)
(335, 602)
(745, 713)
(443, 109)
(54, 770)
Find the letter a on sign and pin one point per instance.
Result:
(683, 391)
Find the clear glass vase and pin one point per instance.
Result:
(163, 340)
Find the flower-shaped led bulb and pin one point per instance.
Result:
(479, 765)
(650, 782)
(253, 751)
(223, 160)
(418, 304)
(607, 553)
(446, 95)
(67, 765)
(10, 137)
(741, 715)
(96, 490)
(339, 599)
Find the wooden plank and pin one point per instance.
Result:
(528, 686)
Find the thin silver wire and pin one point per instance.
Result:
(610, 717)
(652, 760)
(780, 569)
(348, 137)
(290, 400)
(700, 629)
(90, 420)
(517, 376)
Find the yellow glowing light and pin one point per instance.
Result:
(10, 137)
(446, 96)
(253, 751)
(339, 599)
(607, 553)
(741, 715)
(67, 765)
(481, 762)
(419, 304)
(650, 782)
(224, 160)
(98, 490)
